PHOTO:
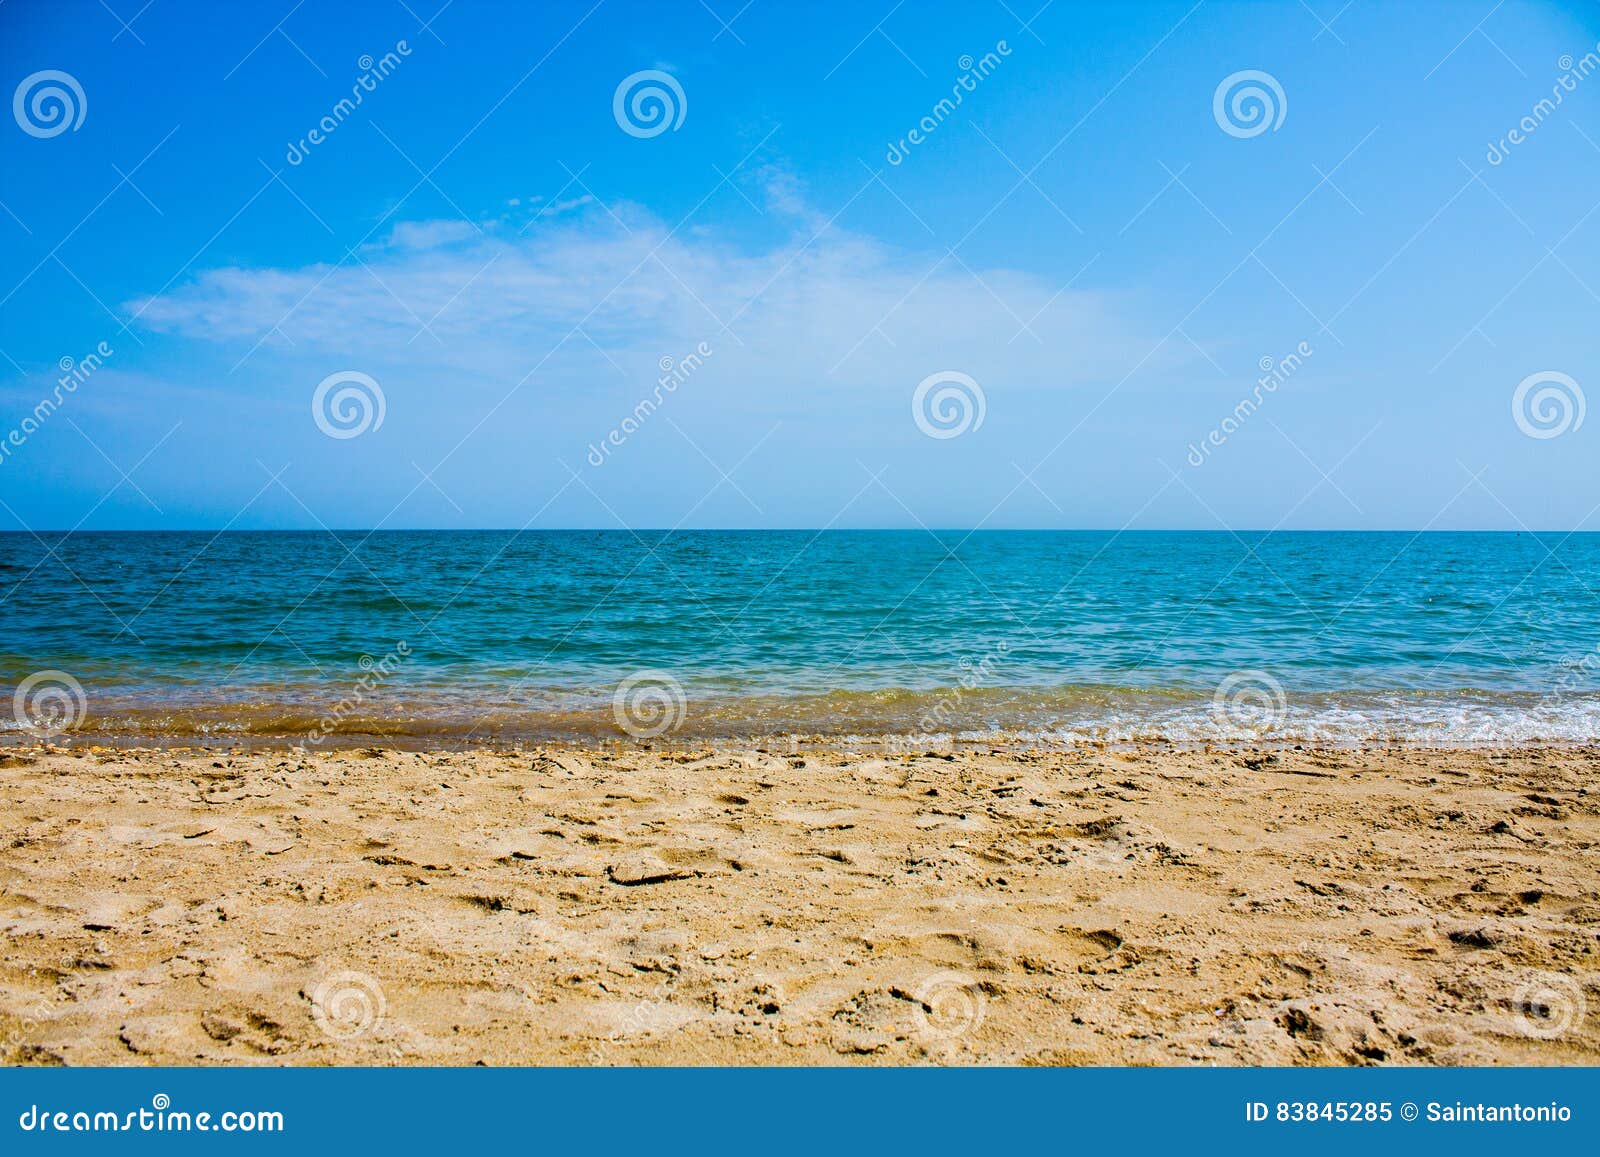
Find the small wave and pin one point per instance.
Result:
(1049, 717)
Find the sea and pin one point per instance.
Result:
(911, 639)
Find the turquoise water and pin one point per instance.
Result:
(463, 636)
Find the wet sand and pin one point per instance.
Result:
(734, 906)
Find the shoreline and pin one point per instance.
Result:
(1249, 707)
(717, 904)
(859, 746)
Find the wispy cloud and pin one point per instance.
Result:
(821, 305)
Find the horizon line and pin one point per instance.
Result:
(969, 530)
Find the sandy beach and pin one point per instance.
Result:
(810, 906)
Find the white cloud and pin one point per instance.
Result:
(430, 234)
(822, 306)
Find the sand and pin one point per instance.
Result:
(570, 906)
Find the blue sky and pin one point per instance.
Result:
(1082, 237)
